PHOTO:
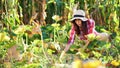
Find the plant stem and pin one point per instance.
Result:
(54, 34)
(26, 38)
(42, 45)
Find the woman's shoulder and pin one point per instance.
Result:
(91, 20)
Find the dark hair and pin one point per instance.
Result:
(84, 28)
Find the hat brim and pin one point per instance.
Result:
(81, 18)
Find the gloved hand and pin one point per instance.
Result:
(61, 56)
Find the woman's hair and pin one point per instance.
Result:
(84, 28)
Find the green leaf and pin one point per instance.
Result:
(96, 54)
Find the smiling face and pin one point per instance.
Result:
(78, 22)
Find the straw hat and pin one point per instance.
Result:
(79, 14)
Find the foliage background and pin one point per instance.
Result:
(40, 30)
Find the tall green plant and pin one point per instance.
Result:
(10, 17)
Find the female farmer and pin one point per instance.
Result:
(82, 27)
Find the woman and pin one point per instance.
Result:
(82, 27)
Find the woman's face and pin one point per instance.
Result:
(78, 22)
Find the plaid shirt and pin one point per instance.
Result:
(91, 29)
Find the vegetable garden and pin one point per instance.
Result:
(33, 34)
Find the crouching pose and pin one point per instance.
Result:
(83, 27)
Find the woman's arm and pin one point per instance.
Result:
(71, 39)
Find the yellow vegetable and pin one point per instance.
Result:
(115, 63)
(92, 64)
(77, 64)
(91, 37)
(4, 37)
